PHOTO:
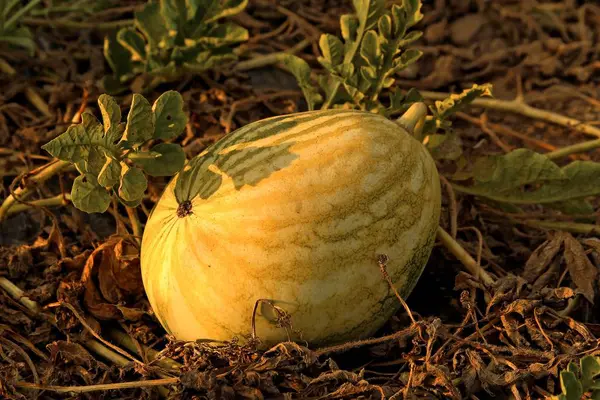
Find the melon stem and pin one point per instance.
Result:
(413, 119)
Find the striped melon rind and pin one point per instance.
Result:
(296, 210)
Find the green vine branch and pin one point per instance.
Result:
(68, 24)
(520, 107)
(46, 173)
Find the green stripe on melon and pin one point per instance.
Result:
(293, 209)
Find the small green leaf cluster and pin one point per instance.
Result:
(358, 67)
(524, 177)
(578, 380)
(110, 155)
(10, 31)
(365, 60)
(171, 38)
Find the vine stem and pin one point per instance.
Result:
(136, 225)
(63, 23)
(463, 256)
(95, 388)
(92, 344)
(264, 60)
(573, 227)
(48, 172)
(58, 200)
(575, 148)
(520, 107)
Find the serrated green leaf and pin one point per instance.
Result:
(590, 370)
(140, 122)
(581, 180)
(110, 173)
(370, 49)
(208, 60)
(132, 41)
(228, 9)
(512, 170)
(399, 21)
(133, 183)
(150, 21)
(169, 117)
(413, 11)
(332, 49)
(76, 144)
(171, 160)
(368, 12)
(570, 385)
(456, 102)
(407, 58)
(349, 26)
(368, 73)
(410, 38)
(222, 35)
(88, 196)
(301, 71)
(111, 117)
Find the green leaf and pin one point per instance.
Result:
(577, 180)
(385, 26)
(131, 204)
(445, 147)
(407, 58)
(515, 169)
(169, 117)
(301, 71)
(223, 35)
(228, 9)
(349, 26)
(170, 161)
(413, 11)
(410, 38)
(370, 50)
(150, 21)
(208, 60)
(332, 49)
(110, 173)
(133, 183)
(573, 207)
(456, 102)
(399, 21)
(88, 196)
(111, 117)
(368, 12)
(570, 385)
(131, 40)
(117, 56)
(77, 143)
(590, 370)
(140, 123)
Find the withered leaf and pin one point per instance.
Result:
(583, 273)
(541, 257)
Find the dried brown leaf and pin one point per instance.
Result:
(583, 273)
(541, 258)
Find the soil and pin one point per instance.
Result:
(467, 340)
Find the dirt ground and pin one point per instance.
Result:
(467, 341)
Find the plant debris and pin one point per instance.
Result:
(521, 200)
